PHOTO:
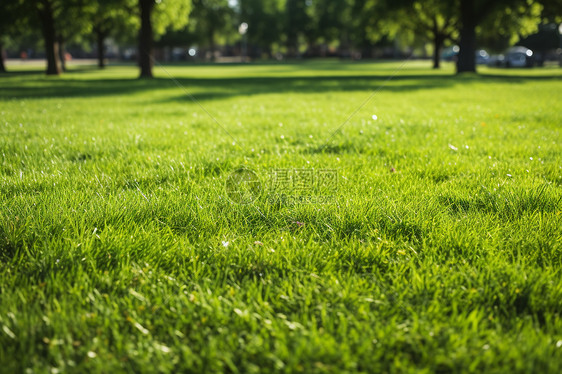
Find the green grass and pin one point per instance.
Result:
(440, 250)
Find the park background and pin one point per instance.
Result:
(243, 30)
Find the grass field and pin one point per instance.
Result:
(428, 239)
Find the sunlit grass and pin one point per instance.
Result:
(440, 249)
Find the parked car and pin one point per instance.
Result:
(496, 61)
(482, 57)
(514, 57)
(518, 57)
(451, 53)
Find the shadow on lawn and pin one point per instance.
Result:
(217, 88)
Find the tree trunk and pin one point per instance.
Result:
(2, 66)
(437, 47)
(466, 61)
(62, 53)
(100, 37)
(49, 35)
(145, 39)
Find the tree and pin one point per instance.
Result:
(58, 20)
(108, 17)
(116, 18)
(462, 21)
(264, 18)
(145, 38)
(13, 17)
(437, 21)
(101, 26)
(155, 17)
(296, 23)
(361, 24)
(211, 18)
(62, 19)
(507, 17)
(46, 10)
(389, 20)
(434, 20)
(330, 22)
(72, 22)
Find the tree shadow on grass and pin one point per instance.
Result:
(203, 89)
(214, 88)
(18, 73)
(518, 78)
(45, 87)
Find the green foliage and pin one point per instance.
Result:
(170, 15)
(265, 19)
(331, 19)
(12, 18)
(211, 20)
(441, 250)
(15, 17)
(503, 19)
(296, 24)
(71, 17)
(115, 18)
(512, 22)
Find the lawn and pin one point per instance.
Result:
(315, 217)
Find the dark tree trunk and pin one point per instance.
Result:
(100, 37)
(437, 47)
(2, 66)
(145, 38)
(49, 35)
(466, 59)
(62, 53)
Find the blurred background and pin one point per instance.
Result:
(503, 33)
